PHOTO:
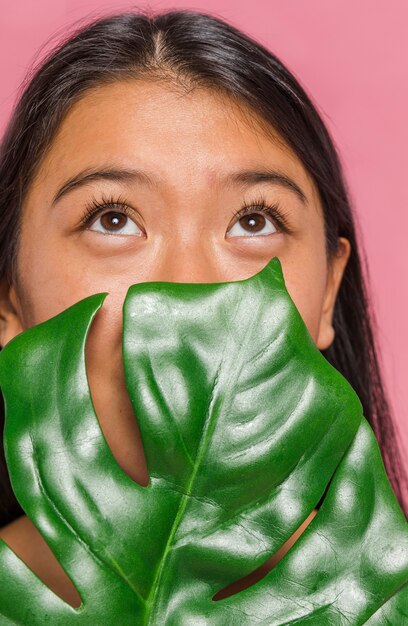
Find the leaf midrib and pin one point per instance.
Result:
(209, 422)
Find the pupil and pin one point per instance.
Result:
(254, 220)
(114, 220)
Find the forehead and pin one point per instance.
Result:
(186, 137)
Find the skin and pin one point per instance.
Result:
(183, 230)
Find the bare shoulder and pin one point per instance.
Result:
(17, 532)
(28, 543)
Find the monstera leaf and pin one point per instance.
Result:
(245, 425)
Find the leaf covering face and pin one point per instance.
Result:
(245, 426)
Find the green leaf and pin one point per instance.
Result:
(245, 427)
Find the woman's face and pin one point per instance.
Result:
(179, 225)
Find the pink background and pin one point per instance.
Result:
(351, 57)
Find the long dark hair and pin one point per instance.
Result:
(188, 49)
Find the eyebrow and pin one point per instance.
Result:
(241, 178)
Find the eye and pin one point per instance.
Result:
(114, 222)
(252, 219)
(119, 220)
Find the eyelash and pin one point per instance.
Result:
(94, 207)
(273, 210)
(259, 204)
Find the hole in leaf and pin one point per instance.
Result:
(27, 542)
(260, 572)
(110, 397)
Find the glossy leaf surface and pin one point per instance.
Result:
(245, 427)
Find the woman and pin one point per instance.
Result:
(173, 148)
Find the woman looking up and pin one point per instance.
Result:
(173, 148)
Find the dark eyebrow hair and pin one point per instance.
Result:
(242, 178)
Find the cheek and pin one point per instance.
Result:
(44, 274)
(52, 279)
(47, 288)
(306, 287)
